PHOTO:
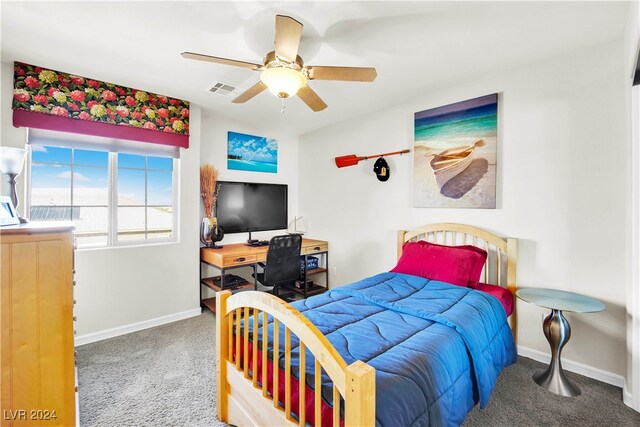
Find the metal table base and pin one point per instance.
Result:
(558, 331)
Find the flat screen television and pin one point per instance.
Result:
(249, 206)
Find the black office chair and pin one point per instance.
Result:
(283, 263)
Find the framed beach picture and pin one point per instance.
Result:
(455, 157)
(251, 153)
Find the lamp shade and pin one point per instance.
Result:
(283, 82)
(12, 160)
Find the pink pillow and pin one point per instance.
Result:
(451, 264)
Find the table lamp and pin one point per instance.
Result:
(11, 163)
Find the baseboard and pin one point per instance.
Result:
(134, 327)
(627, 397)
(576, 367)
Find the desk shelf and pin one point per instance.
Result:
(316, 271)
(306, 290)
(311, 290)
(209, 282)
(210, 303)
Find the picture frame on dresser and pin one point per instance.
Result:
(8, 214)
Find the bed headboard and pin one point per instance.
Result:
(502, 253)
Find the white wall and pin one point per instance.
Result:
(631, 45)
(562, 182)
(214, 151)
(117, 287)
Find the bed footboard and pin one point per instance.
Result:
(248, 394)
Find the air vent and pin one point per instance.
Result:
(222, 89)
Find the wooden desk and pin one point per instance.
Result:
(241, 255)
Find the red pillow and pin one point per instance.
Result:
(504, 296)
(457, 265)
(476, 269)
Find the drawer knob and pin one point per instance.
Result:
(317, 248)
(74, 283)
(75, 318)
(241, 259)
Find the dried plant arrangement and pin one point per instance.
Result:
(208, 180)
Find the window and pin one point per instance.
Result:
(145, 192)
(112, 198)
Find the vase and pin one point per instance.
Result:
(205, 232)
(210, 233)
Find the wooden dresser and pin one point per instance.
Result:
(38, 362)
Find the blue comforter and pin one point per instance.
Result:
(437, 348)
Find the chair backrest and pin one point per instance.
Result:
(283, 259)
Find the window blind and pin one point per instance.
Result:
(88, 142)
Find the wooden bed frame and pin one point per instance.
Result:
(242, 401)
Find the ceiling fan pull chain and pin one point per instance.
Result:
(282, 110)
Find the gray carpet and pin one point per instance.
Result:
(162, 376)
(518, 401)
(165, 377)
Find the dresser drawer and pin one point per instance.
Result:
(314, 248)
(230, 261)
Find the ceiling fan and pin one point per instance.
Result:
(283, 71)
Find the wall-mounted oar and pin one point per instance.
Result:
(352, 159)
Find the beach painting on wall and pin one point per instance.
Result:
(455, 155)
(251, 153)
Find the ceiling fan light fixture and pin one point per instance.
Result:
(283, 82)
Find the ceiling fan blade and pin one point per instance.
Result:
(218, 60)
(349, 74)
(311, 98)
(288, 34)
(250, 93)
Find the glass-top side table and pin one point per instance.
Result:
(558, 331)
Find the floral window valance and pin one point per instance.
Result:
(47, 99)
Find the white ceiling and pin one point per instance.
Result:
(415, 46)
